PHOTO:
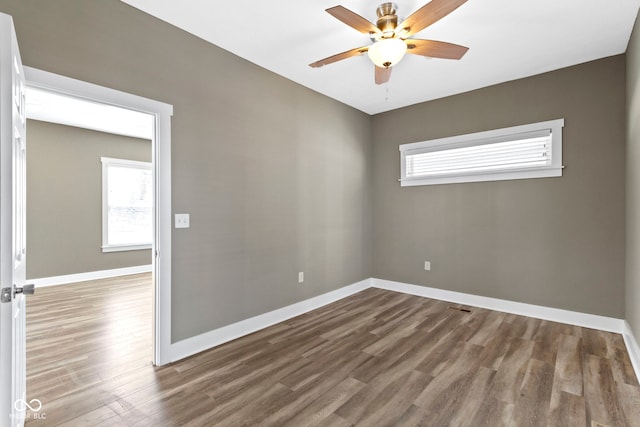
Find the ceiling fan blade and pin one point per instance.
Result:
(435, 49)
(339, 57)
(427, 15)
(382, 75)
(353, 20)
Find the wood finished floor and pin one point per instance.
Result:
(377, 358)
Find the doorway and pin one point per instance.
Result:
(160, 115)
(89, 222)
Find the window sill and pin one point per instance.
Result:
(122, 248)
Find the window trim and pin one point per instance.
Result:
(482, 138)
(106, 162)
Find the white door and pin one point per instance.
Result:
(12, 228)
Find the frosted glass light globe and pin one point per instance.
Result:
(387, 52)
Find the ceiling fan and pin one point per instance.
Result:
(391, 41)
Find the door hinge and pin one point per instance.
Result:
(6, 295)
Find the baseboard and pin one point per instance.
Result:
(593, 321)
(632, 348)
(194, 345)
(92, 275)
(191, 346)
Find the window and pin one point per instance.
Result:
(519, 152)
(127, 205)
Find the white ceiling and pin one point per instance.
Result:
(507, 40)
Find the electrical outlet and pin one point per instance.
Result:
(427, 265)
(301, 277)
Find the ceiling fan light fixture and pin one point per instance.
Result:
(386, 53)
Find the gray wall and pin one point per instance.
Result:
(64, 199)
(557, 242)
(274, 175)
(632, 290)
(279, 179)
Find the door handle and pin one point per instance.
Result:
(26, 290)
(9, 293)
(6, 295)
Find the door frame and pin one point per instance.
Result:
(161, 156)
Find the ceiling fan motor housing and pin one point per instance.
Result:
(387, 19)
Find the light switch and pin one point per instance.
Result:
(182, 220)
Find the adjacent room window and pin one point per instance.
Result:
(519, 152)
(127, 205)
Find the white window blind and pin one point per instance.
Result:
(127, 205)
(529, 151)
